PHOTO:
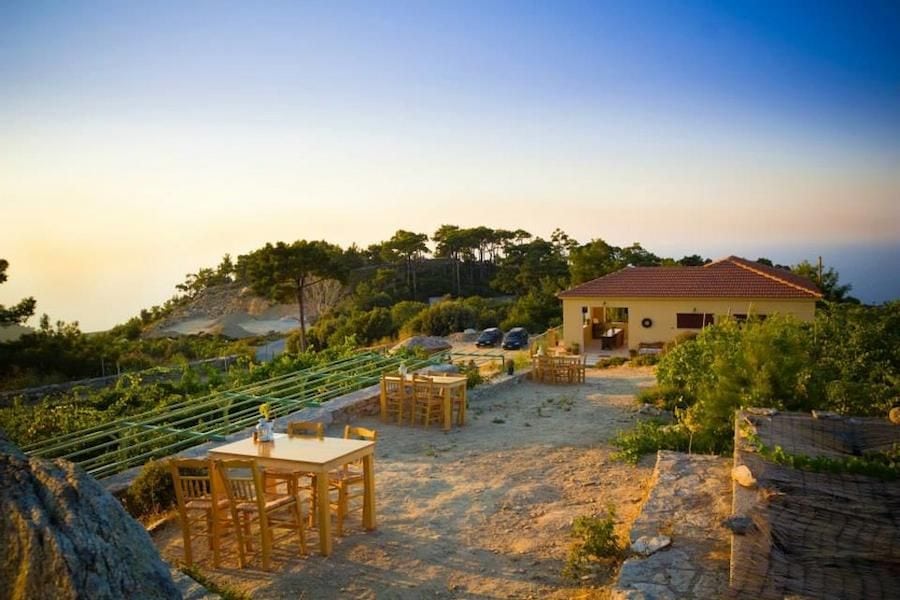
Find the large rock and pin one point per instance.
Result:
(430, 344)
(63, 536)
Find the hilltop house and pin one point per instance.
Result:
(649, 305)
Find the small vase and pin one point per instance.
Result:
(265, 431)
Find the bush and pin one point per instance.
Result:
(152, 491)
(595, 541)
(648, 437)
(405, 311)
(473, 375)
(645, 360)
(537, 310)
(664, 397)
(612, 361)
(443, 319)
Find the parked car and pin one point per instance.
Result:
(489, 338)
(515, 339)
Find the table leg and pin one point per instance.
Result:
(324, 513)
(462, 406)
(369, 521)
(447, 406)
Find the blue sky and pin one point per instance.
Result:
(165, 134)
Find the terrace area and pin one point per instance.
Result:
(482, 511)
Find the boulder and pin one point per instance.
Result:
(430, 344)
(62, 535)
(739, 524)
(647, 545)
(743, 476)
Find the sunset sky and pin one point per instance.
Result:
(141, 141)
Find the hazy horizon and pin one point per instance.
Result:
(144, 141)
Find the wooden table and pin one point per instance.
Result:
(316, 456)
(449, 385)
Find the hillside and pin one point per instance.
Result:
(10, 333)
(230, 310)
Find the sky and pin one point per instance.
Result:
(142, 141)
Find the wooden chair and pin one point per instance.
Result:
(348, 481)
(427, 404)
(545, 368)
(308, 429)
(202, 506)
(457, 405)
(581, 368)
(298, 482)
(393, 397)
(251, 503)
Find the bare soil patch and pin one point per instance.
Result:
(483, 511)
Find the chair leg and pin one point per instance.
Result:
(214, 539)
(186, 533)
(341, 509)
(245, 523)
(298, 523)
(239, 536)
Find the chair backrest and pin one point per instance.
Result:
(193, 480)
(423, 387)
(307, 429)
(243, 482)
(393, 386)
(360, 433)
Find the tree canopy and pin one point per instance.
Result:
(18, 313)
(283, 272)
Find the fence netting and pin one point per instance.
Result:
(816, 534)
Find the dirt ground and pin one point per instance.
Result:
(483, 511)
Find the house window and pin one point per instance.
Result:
(693, 320)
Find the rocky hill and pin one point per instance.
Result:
(229, 310)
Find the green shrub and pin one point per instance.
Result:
(522, 360)
(649, 436)
(403, 312)
(611, 361)
(152, 491)
(595, 541)
(661, 396)
(645, 360)
(473, 375)
(442, 319)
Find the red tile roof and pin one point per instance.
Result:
(731, 277)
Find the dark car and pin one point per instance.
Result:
(489, 338)
(516, 338)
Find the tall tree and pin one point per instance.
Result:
(592, 260)
(283, 272)
(828, 281)
(410, 246)
(18, 313)
(449, 240)
(526, 266)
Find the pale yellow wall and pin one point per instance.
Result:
(662, 312)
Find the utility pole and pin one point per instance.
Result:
(820, 271)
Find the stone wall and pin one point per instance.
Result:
(679, 547)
